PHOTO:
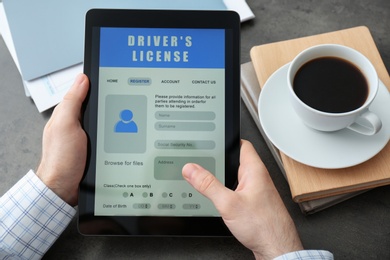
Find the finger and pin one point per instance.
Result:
(74, 98)
(79, 89)
(252, 169)
(248, 153)
(204, 182)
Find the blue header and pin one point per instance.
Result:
(162, 48)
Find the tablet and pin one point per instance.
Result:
(164, 91)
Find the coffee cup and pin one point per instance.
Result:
(331, 88)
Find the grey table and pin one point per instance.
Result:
(356, 229)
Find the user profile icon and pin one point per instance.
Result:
(126, 123)
(125, 119)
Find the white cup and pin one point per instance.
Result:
(361, 119)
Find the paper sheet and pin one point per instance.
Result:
(241, 7)
(49, 90)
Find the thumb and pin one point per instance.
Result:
(73, 100)
(69, 109)
(204, 182)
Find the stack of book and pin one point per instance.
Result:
(313, 188)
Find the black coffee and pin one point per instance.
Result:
(331, 84)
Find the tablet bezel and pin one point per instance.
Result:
(88, 223)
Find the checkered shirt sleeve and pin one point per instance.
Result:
(32, 217)
(307, 255)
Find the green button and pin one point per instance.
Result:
(184, 126)
(184, 144)
(169, 167)
(190, 115)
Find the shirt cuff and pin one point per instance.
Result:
(32, 217)
(306, 255)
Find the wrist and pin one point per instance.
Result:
(278, 248)
(52, 183)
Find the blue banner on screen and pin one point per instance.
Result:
(162, 48)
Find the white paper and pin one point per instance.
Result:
(241, 7)
(49, 90)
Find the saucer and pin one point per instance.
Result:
(330, 150)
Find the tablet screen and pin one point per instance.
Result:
(158, 100)
(161, 105)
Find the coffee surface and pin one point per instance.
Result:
(331, 84)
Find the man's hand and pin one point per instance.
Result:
(65, 145)
(254, 212)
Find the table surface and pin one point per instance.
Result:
(355, 229)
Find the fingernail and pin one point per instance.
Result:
(188, 170)
(79, 79)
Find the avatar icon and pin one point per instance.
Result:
(126, 123)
